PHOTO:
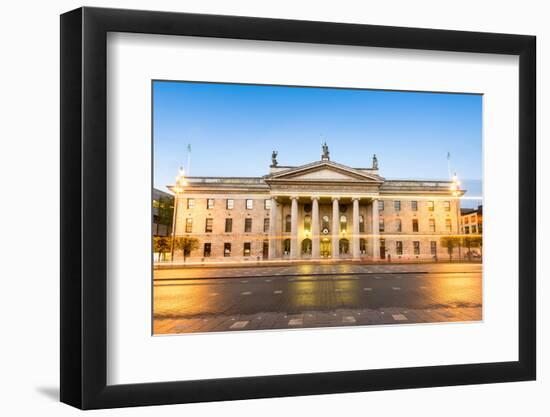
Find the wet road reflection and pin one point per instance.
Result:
(212, 294)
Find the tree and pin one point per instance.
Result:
(186, 244)
(161, 245)
(474, 241)
(450, 242)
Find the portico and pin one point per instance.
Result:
(322, 227)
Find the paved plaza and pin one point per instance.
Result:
(214, 299)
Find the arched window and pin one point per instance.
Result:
(362, 246)
(307, 223)
(286, 246)
(287, 223)
(343, 223)
(326, 225)
(344, 246)
(306, 246)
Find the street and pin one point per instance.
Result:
(198, 300)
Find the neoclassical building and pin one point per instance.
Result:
(320, 210)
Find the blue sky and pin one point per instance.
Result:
(232, 129)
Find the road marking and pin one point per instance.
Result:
(423, 287)
(395, 288)
(367, 289)
(399, 317)
(348, 319)
(377, 277)
(296, 322)
(267, 280)
(339, 290)
(214, 294)
(238, 325)
(277, 292)
(244, 282)
(246, 293)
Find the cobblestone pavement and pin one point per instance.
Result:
(308, 296)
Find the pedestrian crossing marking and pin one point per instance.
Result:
(348, 319)
(246, 293)
(399, 317)
(239, 325)
(296, 322)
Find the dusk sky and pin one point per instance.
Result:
(233, 128)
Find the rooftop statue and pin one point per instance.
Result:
(274, 159)
(326, 154)
(374, 162)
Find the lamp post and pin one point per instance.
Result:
(455, 188)
(178, 188)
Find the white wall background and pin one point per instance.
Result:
(29, 175)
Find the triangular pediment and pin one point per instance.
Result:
(324, 171)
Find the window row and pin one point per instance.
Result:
(209, 225)
(398, 225)
(414, 205)
(229, 203)
(416, 247)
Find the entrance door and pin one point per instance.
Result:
(325, 248)
(265, 249)
(382, 248)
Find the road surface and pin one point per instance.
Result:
(202, 300)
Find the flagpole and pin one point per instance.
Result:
(188, 159)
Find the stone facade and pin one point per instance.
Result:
(321, 210)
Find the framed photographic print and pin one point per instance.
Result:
(258, 208)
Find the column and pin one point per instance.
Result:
(273, 239)
(375, 230)
(294, 252)
(355, 231)
(335, 228)
(315, 235)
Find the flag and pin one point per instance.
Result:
(448, 156)
(189, 148)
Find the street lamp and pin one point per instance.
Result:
(178, 188)
(455, 188)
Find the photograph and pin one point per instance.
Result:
(289, 207)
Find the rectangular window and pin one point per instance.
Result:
(432, 225)
(414, 205)
(380, 205)
(208, 225)
(361, 224)
(430, 206)
(448, 225)
(474, 229)
(397, 205)
(228, 225)
(447, 205)
(266, 225)
(229, 204)
(210, 203)
(227, 249)
(189, 225)
(267, 204)
(398, 225)
(207, 250)
(381, 225)
(399, 247)
(416, 247)
(246, 249)
(467, 230)
(249, 203)
(247, 225)
(190, 203)
(466, 220)
(433, 247)
(415, 225)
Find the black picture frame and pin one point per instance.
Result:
(84, 207)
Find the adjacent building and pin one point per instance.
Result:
(471, 221)
(163, 208)
(320, 210)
